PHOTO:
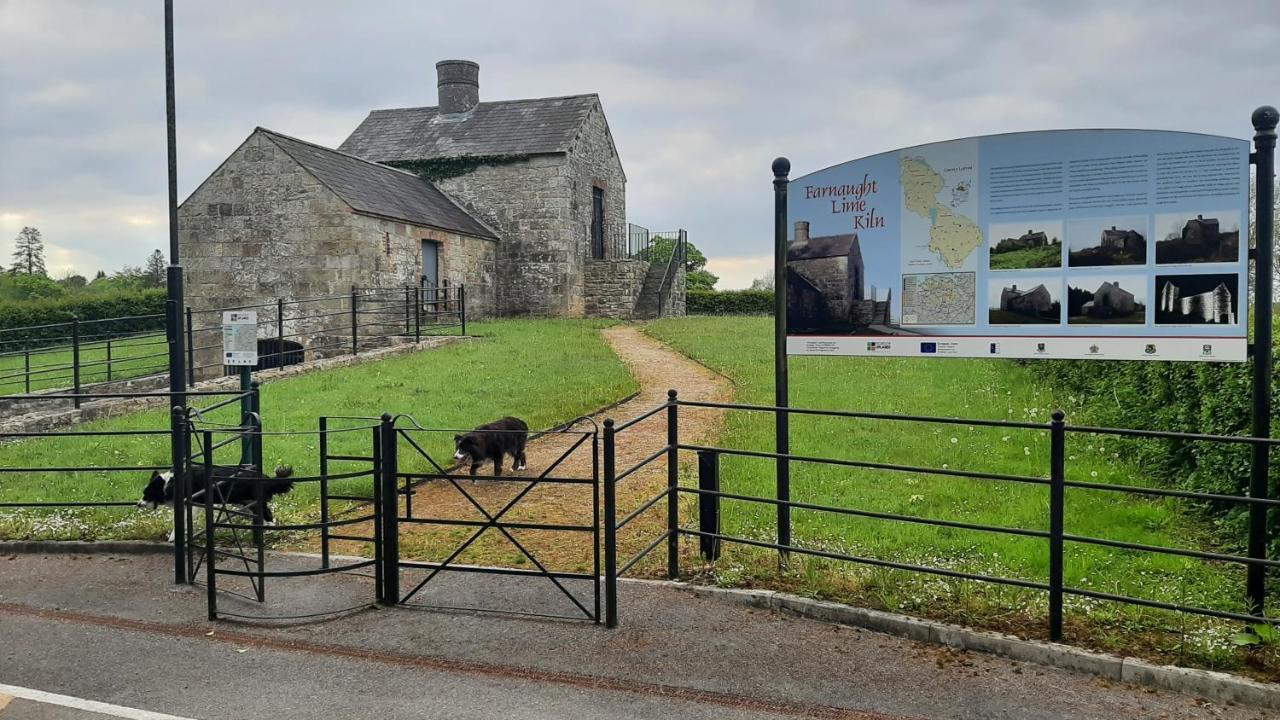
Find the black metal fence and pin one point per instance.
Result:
(374, 477)
(230, 543)
(62, 465)
(297, 331)
(633, 242)
(1057, 538)
(82, 356)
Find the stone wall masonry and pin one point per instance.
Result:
(527, 203)
(612, 287)
(593, 162)
(101, 409)
(261, 227)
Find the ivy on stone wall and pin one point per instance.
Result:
(444, 168)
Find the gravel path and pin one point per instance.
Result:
(657, 368)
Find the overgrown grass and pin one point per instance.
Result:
(52, 367)
(1046, 256)
(545, 371)
(981, 389)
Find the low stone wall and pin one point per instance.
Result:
(613, 287)
(61, 417)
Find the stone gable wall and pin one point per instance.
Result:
(261, 227)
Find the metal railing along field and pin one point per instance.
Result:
(81, 356)
(1056, 535)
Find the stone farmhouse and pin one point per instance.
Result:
(1111, 300)
(1201, 240)
(523, 201)
(1031, 239)
(1215, 306)
(826, 282)
(1126, 241)
(1033, 302)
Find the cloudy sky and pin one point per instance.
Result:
(701, 95)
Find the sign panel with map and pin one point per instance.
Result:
(1106, 244)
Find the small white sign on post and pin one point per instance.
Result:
(240, 337)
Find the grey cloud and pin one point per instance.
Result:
(701, 95)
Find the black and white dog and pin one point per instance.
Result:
(490, 442)
(234, 486)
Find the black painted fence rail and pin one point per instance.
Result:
(1057, 539)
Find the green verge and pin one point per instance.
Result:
(52, 367)
(544, 371)
(956, 388)
(1048, 256)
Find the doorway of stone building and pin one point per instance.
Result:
(597, 223)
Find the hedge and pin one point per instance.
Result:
(729, 302)
(1212, 398)
(19, 320)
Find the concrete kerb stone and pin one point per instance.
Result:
(1207, 684)
(84, 547)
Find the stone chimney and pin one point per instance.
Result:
(802, 231)
(458, 84)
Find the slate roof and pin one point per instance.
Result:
(825, 246)
(510, 127)
(376, 189)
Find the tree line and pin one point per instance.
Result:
(27, 277)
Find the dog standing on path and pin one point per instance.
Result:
(490, 442)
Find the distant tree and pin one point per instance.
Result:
(764, 282)
(28, 254)
(21, 286)
(72, 281)
(101, 275)
(154, 271)
(695, 263)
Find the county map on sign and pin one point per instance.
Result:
(940, 230)
(941, 299)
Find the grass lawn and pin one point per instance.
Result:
(52, 367)
(1047, 256)
(988, 389)
(545, 371)
(1004, 317)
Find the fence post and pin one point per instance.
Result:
(610, 530)
(255, 407)
(709, 503)
(210, 553)
(324, 492)
(354, 300)
(390, 512)
(673, 487)
(26, 369)
(108, 359)
(781, 391)
(462, 307)
(406, 310)
(259, 502)
(75, 358)
(1264, 141)
(191, 351)
(178, 461)
(1057, 478)
(246, 407)
(417, 314)
(378, 520)
(279, 332)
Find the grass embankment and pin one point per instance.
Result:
(1046, 256)
(986, 389)
(51, 368)
(545, 371)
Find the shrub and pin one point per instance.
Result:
(1212, 398)
(18, 319)
(730, 302)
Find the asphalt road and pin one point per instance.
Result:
(109, 629)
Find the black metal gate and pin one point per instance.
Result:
(420, 490)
